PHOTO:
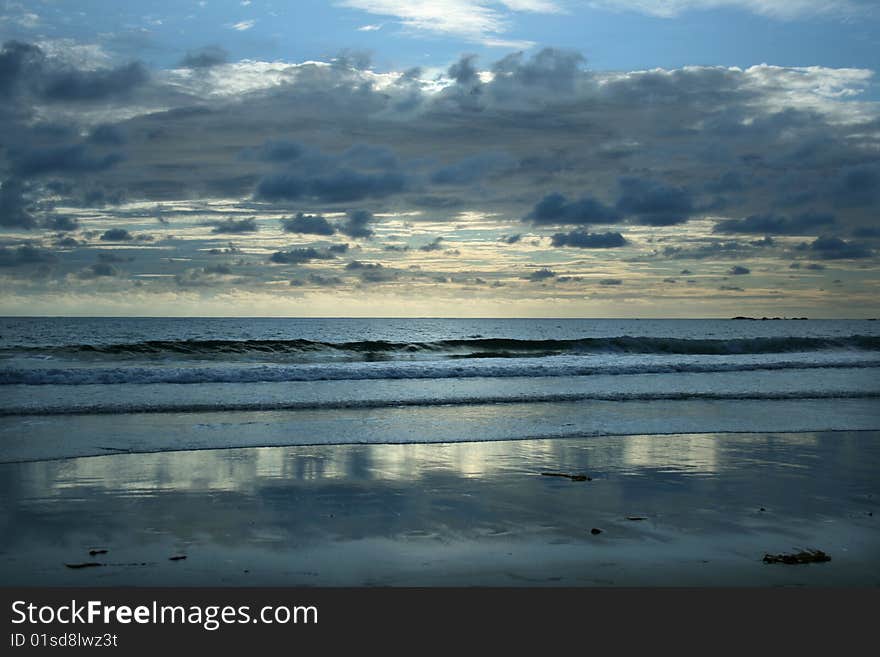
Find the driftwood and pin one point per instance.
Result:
(804, 556)
(567, 476)
(88, 564)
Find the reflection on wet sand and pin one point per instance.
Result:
(447, 513)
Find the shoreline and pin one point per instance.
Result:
(35, 438)
(444, 514)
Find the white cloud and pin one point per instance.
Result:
(370, 28)
(243, 25)
(786, 9)
(480, 21)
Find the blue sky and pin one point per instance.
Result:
(625, 35)
(482, 157)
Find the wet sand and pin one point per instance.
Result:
(711, 506)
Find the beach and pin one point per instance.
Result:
(415, 452)
(672, 510)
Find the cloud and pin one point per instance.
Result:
(611, 281)
(652, 203)
(781, 9)
(72, 85)
(556, 209)
(341, 186)
(206, 57)
(99, 270)
(371, 272)
(858, 187)
(232, 226)
(834, 248)
(738, 270)
(464, 71)
(61, 223)
(583, 240)
(308, 224)
(433, 245)
(540, 275)
(300, 255)
(472, 169)
(73, 159)
(242, 26)
(769, 224)
(15, 209)
(116, 235)
(356, 224)
(276, 150)
(481, 21)
(108, 135)
(25, 255)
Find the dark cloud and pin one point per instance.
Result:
(463, 71)
(73, 85)
(72, 159)
(99, 270)
(206, 57)
(731, 288)
(369, 156)
(25, 255)
(371, 272)
(325, 281)
(105, 256)
(611, 281)
(356, 224)
(652, 203)
(583, 240)
(18, 62)
(108, 135)
(858, 187)
(540, 275)
(712, 249)
(738, 270)
(511, 239)
(434, 245)
(308, 224)
(280, 150)
(768, 224)
(341, 186)
(300, 255)
(555, 209)
(15, 210)
(116, 235)
(550, 71)
(472, 169)
(233, 227)
(834, 248)
(62, 223)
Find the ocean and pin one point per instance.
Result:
(87, 386)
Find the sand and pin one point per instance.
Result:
(710, 507)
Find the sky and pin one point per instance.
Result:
(494, 158)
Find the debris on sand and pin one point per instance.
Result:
(804, 556)
(93, 553)
(179, 557)
(567, 476)
(595, 530)
(88, 564)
